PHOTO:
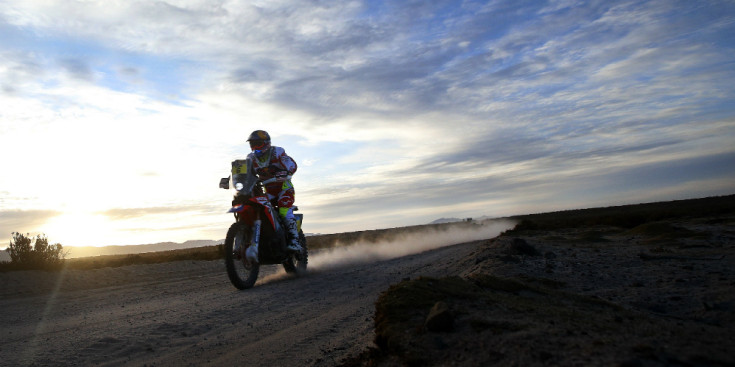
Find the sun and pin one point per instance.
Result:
(80, 228)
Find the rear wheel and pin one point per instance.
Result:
(241, 272)
(296, 263)
(303, 258)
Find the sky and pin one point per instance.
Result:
(118, 118)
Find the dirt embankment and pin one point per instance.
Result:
(656, 293)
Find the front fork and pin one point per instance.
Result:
(251, 250)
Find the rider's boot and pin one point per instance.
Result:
(292, 233)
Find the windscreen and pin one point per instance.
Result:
(243, 177)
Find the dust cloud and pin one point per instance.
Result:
(361, 252)
(403, 245)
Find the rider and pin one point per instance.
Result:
(273, 162)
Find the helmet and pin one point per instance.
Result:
(260, 142)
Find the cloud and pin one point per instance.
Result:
(130, 213)
(391, 107)
(346, 58)
(24, 221)
(77, 69)
(510, 193)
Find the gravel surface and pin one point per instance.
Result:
(187, 313)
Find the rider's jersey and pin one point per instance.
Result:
(276, 160)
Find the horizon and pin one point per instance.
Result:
(120, 119)
(443, 220)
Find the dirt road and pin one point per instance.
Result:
(187, 313)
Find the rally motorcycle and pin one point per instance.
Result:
(258, 236)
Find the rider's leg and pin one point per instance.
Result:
(291, 228)
(285, 209)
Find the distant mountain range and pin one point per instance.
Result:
(452, 220)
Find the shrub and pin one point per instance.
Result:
(28, 253)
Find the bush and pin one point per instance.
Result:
(27, 253)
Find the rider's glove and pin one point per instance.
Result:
(281, 176)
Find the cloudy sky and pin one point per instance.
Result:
(118, 118)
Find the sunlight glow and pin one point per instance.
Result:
(77, 228)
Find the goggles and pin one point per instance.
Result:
(257, 144)
(258, 147)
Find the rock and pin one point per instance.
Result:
(521, 247)
(481, 259)
(635, 362)
(440, 318)
(439, 343)
(509, 259)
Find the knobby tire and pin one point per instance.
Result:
(241, 277)
(296, 264)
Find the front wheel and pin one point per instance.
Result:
(242, 273)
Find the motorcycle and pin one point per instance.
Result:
(258, 236)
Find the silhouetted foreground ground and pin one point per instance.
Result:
(647, 285)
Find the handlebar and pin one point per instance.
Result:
(274, 179)
(224, 183)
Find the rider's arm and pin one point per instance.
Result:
(285, 160)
